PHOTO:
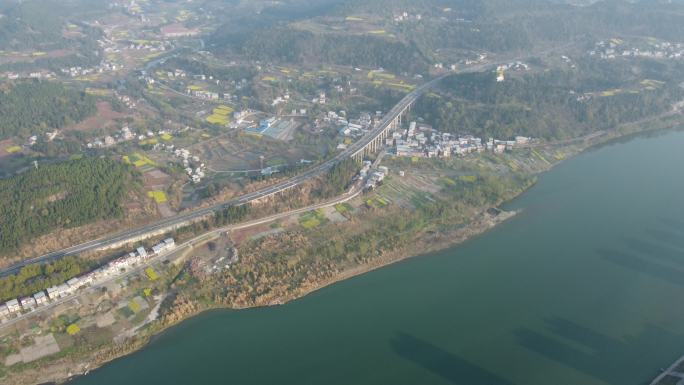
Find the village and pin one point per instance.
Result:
(28, 304)
(616, 48)
(422, 141)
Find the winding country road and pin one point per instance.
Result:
(183, 218)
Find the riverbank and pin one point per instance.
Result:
(423, 241)
(66, 369)
(571, 288)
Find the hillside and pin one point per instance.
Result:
(363, 33)
(301, 47)
(39, 24)
(560, 103)
(33, 107)
(62, 195)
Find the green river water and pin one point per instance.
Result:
(585, 286)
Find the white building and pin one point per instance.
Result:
(170, 243)
(13, 306)
(156, 249)
(40, 298)
(142, 252)
(63, 290)
(74, 283)
(28, 303)
(52, 292)
(119, 263)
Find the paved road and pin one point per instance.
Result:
(353, 192)
(267, 191)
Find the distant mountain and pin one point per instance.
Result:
(512, 26)
(33, 24)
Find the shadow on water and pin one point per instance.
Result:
(450, 367)
(674, 223)
(647, 248)
(666, 236)
(595, 354)
(641, 265)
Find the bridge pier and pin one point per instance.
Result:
(358, 156)
(377, 142)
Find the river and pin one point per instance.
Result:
(582, 288)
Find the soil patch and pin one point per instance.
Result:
(103, 117)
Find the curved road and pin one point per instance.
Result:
(267, 191)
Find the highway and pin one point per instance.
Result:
(256, 195)
(352, 193)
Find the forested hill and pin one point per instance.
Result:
(39, 24)
(521, 25)
(501, 26)
(301, 47)
(28, 25)
(554, 104)
(62, 195)
(33, 107)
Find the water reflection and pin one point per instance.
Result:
(443, 363)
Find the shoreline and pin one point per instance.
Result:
(476, 227)
(426, 243)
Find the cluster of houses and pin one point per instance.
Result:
(210, 95)
(354, 127)
(476, 58)
(126, 100)
(179, 73)
(49, 136)
(615, 48)
(152, 46)
(198, 91)
(405, 16)
(513, 66)
(320, 99)
(338, 118)
(567, 61)
(75, 71)
(130, 7)
(177, 30)
(108, 271)
(441, 66)
(281, 99)
(104, 66)
(30, 75)
(241, 115)
(202, 94)
(373, 178)
(124, 135)
(195, 174)
(300, 112)
(480, 57)
(425, 142)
